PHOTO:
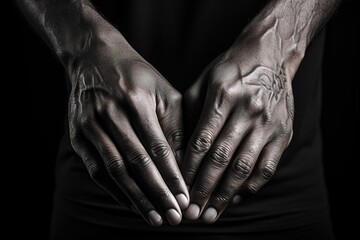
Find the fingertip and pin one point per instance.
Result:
(173, 216)
(192, 212)
(155, 219)
(182, 200)
(210, 215)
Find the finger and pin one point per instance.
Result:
(97, 170)
(217, 161)
(170, 115)
(157, 146)
(116, 168)
(212, 119)
(241, 168)
(141, 165)
(265, 169)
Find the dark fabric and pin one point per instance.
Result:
(68, 226)
(180, 38)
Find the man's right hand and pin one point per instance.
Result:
(125, 123)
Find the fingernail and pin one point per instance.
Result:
(236, 199)
(209, 216)
(154, 218)
(182, 200)
(192, 212)
(173, 217)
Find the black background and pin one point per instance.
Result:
(34, 105)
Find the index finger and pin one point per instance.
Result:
(211, 121)
(156, 144)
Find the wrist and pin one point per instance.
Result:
(278, 35)
(265, 45)
(74, 32)
(100, 41)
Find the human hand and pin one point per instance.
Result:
(126, 124)
(244, 127)
(123, 112)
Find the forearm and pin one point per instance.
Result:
(68, 26)
(285, 28)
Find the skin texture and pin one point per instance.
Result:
(130, 114)
(247, 107)
(246, 120)
(126, 120)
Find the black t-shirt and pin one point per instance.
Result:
(179, 38)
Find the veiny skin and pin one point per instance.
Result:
(247, 107)
(126, 120)
(132, 116)
(246, 120)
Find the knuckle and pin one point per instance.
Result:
(106, 151)
(173, 180)
(142, 200)
(134, 96)
(176, 136)
(202, 143)
(176, 98)
(256, 106)
(201, 192)
(189, 172)
(159, 151)
(225, 71)
(267, 117)
(268, 170)
(216, 72)
(222, 199)
(226, 95)
(218, 85)
(141, 70)
(170, 105)
(113, 161)
(168, 108)
(115, 166)
(242, 167)
(139, 160)
(163, 195)
(220, 156)
(102, 109)
(221, 90)
(105, 109)
(93, 169)
(253, 188)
